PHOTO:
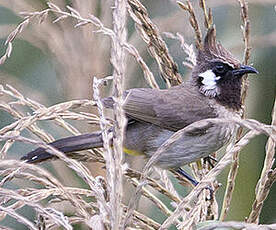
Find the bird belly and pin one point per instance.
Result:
(189, 147)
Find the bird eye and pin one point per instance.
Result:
(220, 68)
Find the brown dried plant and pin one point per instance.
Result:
(235, 164)
(106, 208)
(156, 46)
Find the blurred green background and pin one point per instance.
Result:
(52, 63)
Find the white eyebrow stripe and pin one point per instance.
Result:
(209, 79)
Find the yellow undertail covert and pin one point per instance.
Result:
(132, 152)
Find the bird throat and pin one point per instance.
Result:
(226, 92)
(230, 93)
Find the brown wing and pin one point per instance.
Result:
(172, 109)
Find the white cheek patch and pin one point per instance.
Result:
(209, 79)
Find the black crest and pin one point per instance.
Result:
(228, 88)
(214, 50)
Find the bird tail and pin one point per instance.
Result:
(66, 145)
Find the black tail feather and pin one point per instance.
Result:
(66, 145)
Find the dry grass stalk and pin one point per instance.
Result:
(147, 73)
(208, 22)
(133, 175)
(143, 181)
(118, 61)
(156, 45)
(18, 217)
(164, 178)
(158, 203)
(53, 112)
(200, 168)
(107, 137)
(256, 128)
(191, 208)
(188, 49)
(193, 21)
(81, 21)
(145, 222)
(53, 188)
(11, 38)
(23, 197)
(235, 165)
(49, 181)
(82, 171)
(146, 170)
(267, 178)
(191, 201)
(40, 112)
(42, 15)
(60, 108)
(206, 209)
(208, 17)
(238, 225)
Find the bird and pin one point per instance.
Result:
(213, 90)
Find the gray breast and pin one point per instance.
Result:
(190, 146)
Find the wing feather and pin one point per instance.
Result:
(172, 109)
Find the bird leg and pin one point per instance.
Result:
(209, 159)
(187, 176)
(193, 181)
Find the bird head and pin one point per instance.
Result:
(218, 74)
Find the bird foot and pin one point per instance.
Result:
(195, 182)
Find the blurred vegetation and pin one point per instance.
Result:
(53, 63)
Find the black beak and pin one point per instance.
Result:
(244, 69)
